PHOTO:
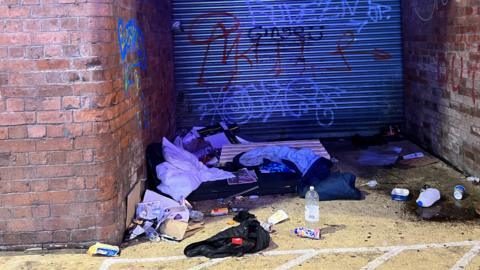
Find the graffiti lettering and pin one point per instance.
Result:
(345, 42)
(446, 71)
(425, 9)
(220, 31)
(318, 11)
(262, 100)
(303, 32)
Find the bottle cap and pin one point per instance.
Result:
(312, 188)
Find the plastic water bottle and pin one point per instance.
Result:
(428, 197)
(312, 209)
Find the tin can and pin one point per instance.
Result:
(307, 233)
(459, 192)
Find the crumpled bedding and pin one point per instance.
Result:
(182, 173)
(302, 158)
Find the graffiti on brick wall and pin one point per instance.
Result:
(453, 71)
(426, 9)
(276, 40)
(133, 57)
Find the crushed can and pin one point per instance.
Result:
(307, 233)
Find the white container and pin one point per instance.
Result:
(428, 197)
(312, 209)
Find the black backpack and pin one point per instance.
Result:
(254, 237)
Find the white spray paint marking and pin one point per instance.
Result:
(207, 264)
(382, 259)
(309, 253)
(298, 260)
(109, 262)
(467, 258)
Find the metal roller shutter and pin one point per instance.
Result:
(289, 68)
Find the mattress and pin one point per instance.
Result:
(231, 150)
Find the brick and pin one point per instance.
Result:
(54, 144)
(27, 79)
(87, 221)
(90, 9)
(55, 90)
(21, 199)
(18, 12)
(50, 25)
(43, 104)
(71, 103)
(22, 212)
(56, 131)
(31, 26)
(43, 237)
(75, 157)
(16, 118)
(58, 210)
(54, 77)
(56, 158)
(88, 142)
(13, 26)
(54, 171)
(39, 186)
(50, 64)
(53, 51)
(55, 197)
(46, 11)
(17, 145)
(69, 23)
(76, 183)
(61, 236)
(3, 52)
(60, 223)
(30, 2)
(53, 117)
(92, 115)
(73, 130)
(38, 158)
(3, 79)
(85, 235)
(5, 213)
(34, 52)
(15, 104)
(71, 51)
(40, 211)
(19, 132)
(25, 225)
(37, 131)
(14, 39)
(3, 133)
(16, 52)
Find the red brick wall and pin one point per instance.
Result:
(442, 101)
(71, 140)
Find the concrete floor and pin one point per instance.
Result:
(375, 233)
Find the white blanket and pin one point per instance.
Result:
(182, 173)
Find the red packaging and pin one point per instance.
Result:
(237, 241)
(219, 211)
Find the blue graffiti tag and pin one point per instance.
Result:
(132, 41)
